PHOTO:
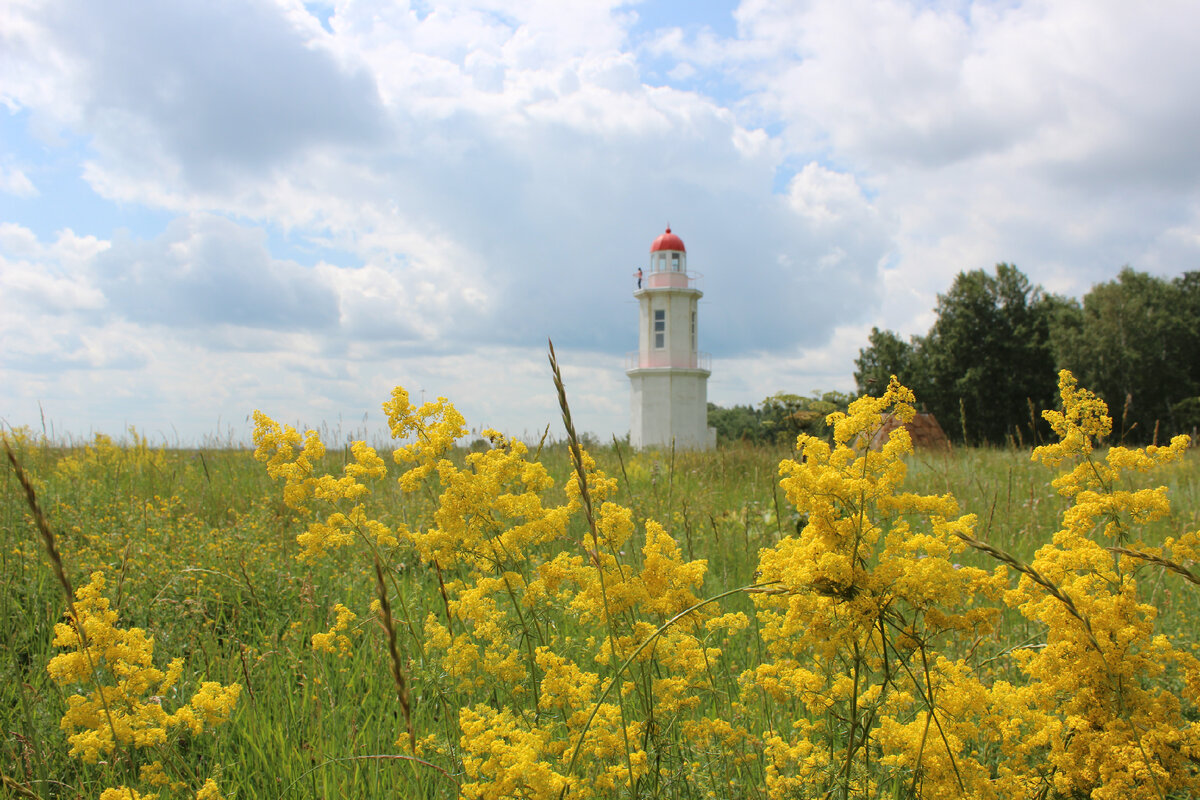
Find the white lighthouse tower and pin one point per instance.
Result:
(669, 375)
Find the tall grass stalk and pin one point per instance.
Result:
(586, 499)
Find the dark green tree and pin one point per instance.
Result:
(885, 355)
(1137, 345)
(1187, 287)
(988, 359)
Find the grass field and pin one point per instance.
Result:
(199, 549)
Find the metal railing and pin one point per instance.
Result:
(661, 360)
(668, 280)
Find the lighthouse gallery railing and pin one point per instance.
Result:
(636, 360)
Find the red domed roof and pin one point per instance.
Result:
(668, 241)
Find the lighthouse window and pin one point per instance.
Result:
(662, 262)
(660, 328)
(693, 330)
(675, 262)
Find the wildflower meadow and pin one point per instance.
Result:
(542, 620)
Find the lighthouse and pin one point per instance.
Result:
(668, 373)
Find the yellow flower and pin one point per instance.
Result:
(118, 690)
(334, 641)
(125, 793)
(867, 581)
(1092, 707)
(209, 791)
(503, 758)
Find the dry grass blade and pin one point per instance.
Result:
(573, 444)
(385, 615)
(1037, 577)
(18, 789)
(1162, 562)
(57, 563)
(43, 527)
(586, 498)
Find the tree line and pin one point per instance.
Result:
(988, 365)
(779, 418)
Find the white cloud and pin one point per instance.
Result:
(206, 270)
(822, 195)
(52, 312)
(476, 176)
(37, 277)
(1058, 136)
(15, 182)
(681, 71)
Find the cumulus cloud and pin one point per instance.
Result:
(524, 144)
(530, 169)
(208, 270)
(47, 278)
(825, 196)
(215, 90)
(474, 177)
(50, 325)
(1054, 135)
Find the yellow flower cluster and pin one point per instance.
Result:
(1094, 717)
(514, 569)
(852, 612)
(491, 512)
(335, 641)
(120, 694)
(209, 791)
(280, 449)
(435, 427)
(507, 758)
(126, 793)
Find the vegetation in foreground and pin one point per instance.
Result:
(817, 622)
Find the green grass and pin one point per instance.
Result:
(200, 551)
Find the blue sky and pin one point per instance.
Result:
(212, 207)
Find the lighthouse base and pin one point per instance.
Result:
(670, 407)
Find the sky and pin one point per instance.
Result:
(211, 207)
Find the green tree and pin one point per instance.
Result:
(988, 356)
(736, 423)
(784, 416)
(1137, 345)
(1187, 287)
(885, 355)
(778, 418)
